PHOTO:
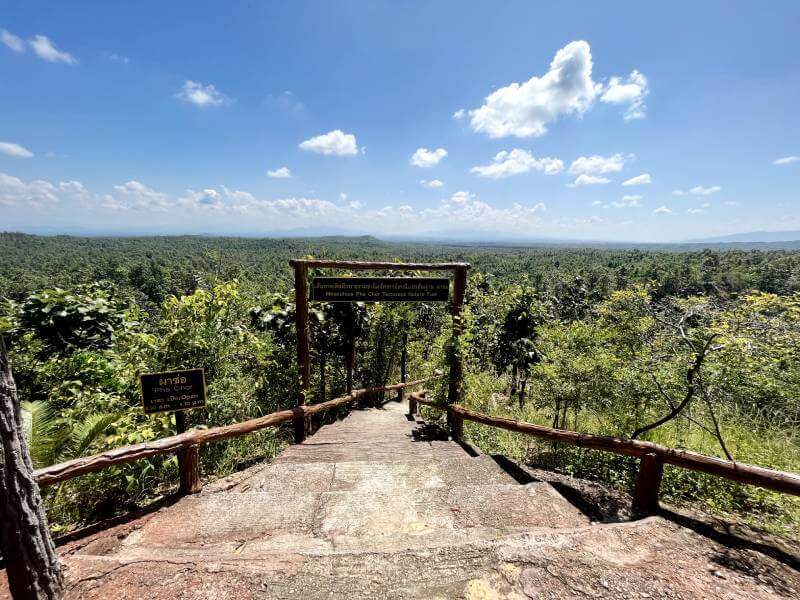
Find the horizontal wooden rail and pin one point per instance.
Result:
(652, 453)
(370, 266)
(195, 438)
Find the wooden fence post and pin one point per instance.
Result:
(303, 352)
(189, 468)
(403, 359)
(459, 290)
(648, 483)
(31, 561)
(456, 424)
(188, 460)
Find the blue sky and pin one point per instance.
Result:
(401, 118)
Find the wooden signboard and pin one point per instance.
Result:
(380, 289)
(173, 390)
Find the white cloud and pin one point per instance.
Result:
(642, 179)
(355, 204)
(134, 195)
(282, 173)
(459, 114)
(695, 211)
(698, 190)
(433, 183)
(584, 179)
(786, 160)
(525, 109)
(12, 41)
(598, 165)
(629, 201)
(334, 143)
(515, 162)
(423, 157)
(37, 192)
(15, 150)
(662, 210)
(201, 95)
(631, 92)
(46, 50)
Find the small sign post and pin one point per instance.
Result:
(177, 391)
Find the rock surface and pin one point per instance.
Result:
(366, 509)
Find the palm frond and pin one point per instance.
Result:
(88, 430)
(39, 424)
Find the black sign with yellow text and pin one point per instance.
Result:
(173, 390)
(380, 289)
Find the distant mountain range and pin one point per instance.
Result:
(752, 236)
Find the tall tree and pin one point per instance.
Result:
(31, 561)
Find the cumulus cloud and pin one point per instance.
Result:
(698, 190)
(525, 109)
(662, 210)
(135, 195)
(459, 114)
(282, 173)
(15, 191)
(12, 41)
(202, 96)
(433, 183)
(786, 160)
(642, 179)
(628, 201)
(46, 50)
(598, 165)
(423, 157)
(630, 93)
(334, 143)
(585, 179)
(15, 150)
(515, 162)
(567, 88)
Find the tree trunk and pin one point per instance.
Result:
(513, 381)
(31, 561)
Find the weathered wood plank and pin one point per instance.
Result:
(373, 266)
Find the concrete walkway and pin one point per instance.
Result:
(365, 509)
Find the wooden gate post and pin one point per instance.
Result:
(456, 372)
(648, 483)
(303, 352)
(32, 564)
(403, 359)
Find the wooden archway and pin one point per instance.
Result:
(301, 267)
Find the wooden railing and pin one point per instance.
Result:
(187, 445)
(652, 456)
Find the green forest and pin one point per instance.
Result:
(690, 347)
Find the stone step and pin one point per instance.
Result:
(375, 520)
